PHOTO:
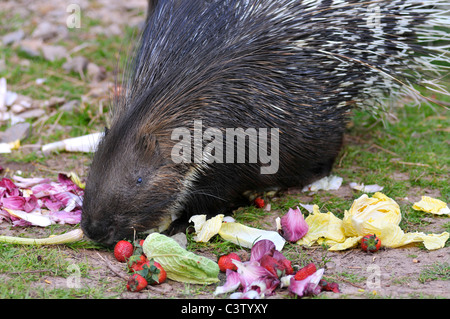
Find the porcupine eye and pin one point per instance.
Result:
(139, 181)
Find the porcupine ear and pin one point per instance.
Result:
(148, 143)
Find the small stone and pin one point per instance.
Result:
(17, 108)
(95, 73)
(54, 52)
(24, 101)
(45, 31)
(16, 132)
(54, 101)
(181, 239)
(34, 113)
(77, 64)
(70, 106)
(10, 98)
(31, 47)
(13, 37)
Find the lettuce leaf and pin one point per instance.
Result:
(180, 264)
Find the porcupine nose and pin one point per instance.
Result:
(102, 232)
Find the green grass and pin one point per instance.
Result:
(416, 146)
(29, 272)
(352, 278)
(438, 271)
(23, 265)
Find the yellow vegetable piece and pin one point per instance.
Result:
(392, 236)
(350, 242)
(322, 225)
(198, 221)
(206, 229)
(234, 232)
(14, 145)
(248, 236)
(76, 179)
(432, 205)
(378, 209)
(378, 215)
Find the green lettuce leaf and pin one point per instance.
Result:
(180, 264)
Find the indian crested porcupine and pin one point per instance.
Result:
(283, 74)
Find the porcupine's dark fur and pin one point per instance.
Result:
(299, 66)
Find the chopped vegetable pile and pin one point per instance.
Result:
(40, 202)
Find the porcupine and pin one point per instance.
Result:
(297, 66)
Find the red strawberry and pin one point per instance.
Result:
(136, 283)
(277, 268)
(152, 271)
(225, 262)
(287, 266)
(135, 262)
(123, 250)
(158, 276)
(329, 286)
(305, 272)
(370, 243)
(259, 202)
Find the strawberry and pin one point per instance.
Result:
(225, 262)
(136, 261)
(305, 272)
(370, 243)
(136, 283)
(287, 266)
(152, 271)
(276, 267)
(138, 258)
(158, 276)
(329, 286)
(259, 202)
(123, 250)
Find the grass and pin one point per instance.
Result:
(48, 272)
(438, 271)
(351, 277)
(23, 266)
(413, 146)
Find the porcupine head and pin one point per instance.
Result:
(295, 68)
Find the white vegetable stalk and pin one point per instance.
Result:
(86, 144)
(70, 237)
(6, 148)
